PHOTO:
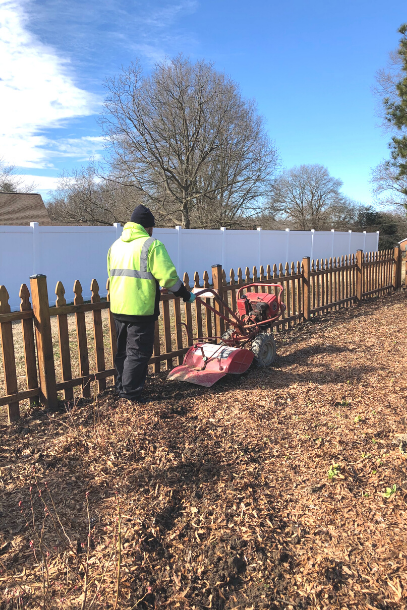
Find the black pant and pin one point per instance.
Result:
(135, 343)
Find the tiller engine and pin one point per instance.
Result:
(248, 337)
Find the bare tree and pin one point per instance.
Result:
(10, 182)
(188, 143)
(84, 197)
(308, 197)
(389, 188)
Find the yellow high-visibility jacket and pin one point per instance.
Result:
(138, 265)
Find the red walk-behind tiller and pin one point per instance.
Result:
(245, 339)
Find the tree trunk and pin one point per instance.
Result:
(186, 222)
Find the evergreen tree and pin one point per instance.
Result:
(396, 112)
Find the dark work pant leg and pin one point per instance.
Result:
(121, 342)
(139, 349)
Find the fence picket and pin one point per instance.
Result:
(233, 291)
(178, 325)
(313, 285)
(299, 292)
(247, 278)
(288, 294)
(98, 335)
(255, 279)
(82, 340)
(157, 347)
(188, 312)
(294, 297)
(324, 266)
(208, 314)
(284, 298)
(262, 278)
(198, 309)
(167, 332)
(63, 337)
(28, 343)
(318, 284)
(342, 279)
(269, 278)
(9, 362)
(112, 327)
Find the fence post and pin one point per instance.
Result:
(306, 293)
(217, 273)
(36, 246)
(179, 254)
(259, 230)
(359, 275)
(287, 245)
(118, 228)
(397, 268)
(45, 352)
(312, 244)
(223, 246)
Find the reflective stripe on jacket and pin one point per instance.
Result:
(137, 265)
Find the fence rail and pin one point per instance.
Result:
(311, 288)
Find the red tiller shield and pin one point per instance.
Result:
(206, 363)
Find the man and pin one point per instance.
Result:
(138, 265)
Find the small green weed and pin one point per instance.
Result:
(334, 471)
(390, 491)
(366, 456)
(358, 418)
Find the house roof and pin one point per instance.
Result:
(22, 208)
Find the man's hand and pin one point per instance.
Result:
(192, 298)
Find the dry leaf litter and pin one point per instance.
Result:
(282, 488)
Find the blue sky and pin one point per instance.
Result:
(309, 64)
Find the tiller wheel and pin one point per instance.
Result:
(246, 338)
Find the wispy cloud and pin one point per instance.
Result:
(37, 91)
(55, 55)
(40, 183)
(80, 149)
(109, 28)
(165, 16)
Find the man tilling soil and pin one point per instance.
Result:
(138, 265)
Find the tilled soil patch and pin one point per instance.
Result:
(283, 488)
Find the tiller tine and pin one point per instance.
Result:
(206, 363)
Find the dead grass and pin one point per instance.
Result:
(283, 488)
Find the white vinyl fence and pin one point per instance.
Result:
(70, 253)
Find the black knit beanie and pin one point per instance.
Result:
(143, 217)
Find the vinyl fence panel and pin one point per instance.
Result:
(72, 253)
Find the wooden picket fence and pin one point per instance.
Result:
(311, 288)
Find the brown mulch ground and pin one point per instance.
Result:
(283, 488)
